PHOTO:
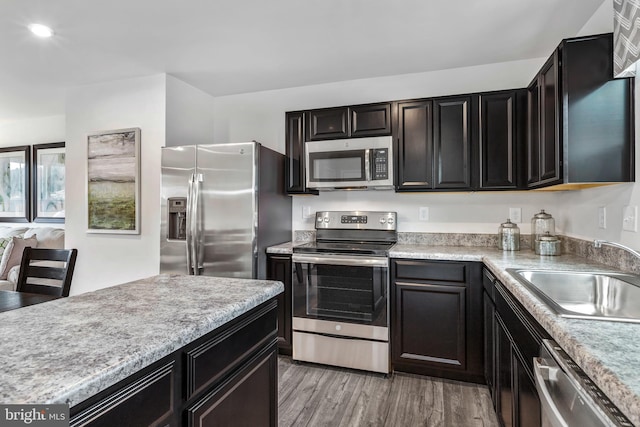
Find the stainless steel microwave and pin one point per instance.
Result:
(358, 163)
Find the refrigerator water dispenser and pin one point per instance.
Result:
(177, 218)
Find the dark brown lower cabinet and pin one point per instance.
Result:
(279, 268)
(228, 377)
(516, 341)
(436, 318)
(242, 398)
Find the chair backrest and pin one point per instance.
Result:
(46, 271)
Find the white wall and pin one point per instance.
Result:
(579, 216)
(261, 116)
(39, 130)
(189, 114)
(107, 259)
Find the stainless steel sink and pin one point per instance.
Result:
(585, 295)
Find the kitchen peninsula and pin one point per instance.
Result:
(166, 349)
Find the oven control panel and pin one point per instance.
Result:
(353, 219)
(356, 220)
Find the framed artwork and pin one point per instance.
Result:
(48, 182)
(14, 184)
(113, 181)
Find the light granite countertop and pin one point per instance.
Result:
(67, 350)
(609, 352)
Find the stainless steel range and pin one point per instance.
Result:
(340, 291)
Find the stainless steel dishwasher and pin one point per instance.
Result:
(568, 396)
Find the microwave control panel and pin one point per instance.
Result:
(380, 164)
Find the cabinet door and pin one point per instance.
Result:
(549, 122)
(415, 146)
(328, 123)
(247, 398)
(371, 120)
(452, 142)
(489, 343)
(500, 128)
(415, 342)
(504, 371)
(279, 268)
(295, 175)
(527, 400)
(533, 133)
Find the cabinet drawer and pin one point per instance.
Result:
(425, 270)
(150, 398)
(488, 280)
(214, 357)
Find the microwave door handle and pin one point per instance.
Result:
(367, 165)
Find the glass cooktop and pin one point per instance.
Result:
(351, 248)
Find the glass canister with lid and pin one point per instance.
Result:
(542, 223)
(547, 244)
(509, 236)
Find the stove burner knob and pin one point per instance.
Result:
(326, 219)
(383, 220)
(390, 221)
(319, 219)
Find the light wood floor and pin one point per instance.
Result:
(315, 395)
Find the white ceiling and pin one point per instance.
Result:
(237, 46)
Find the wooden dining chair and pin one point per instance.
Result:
(46, 271)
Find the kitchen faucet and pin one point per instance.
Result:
(598, 244)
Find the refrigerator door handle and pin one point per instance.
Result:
(198, 252)
(189, 224)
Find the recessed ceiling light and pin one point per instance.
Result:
(41, 30)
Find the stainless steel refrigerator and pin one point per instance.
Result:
(222, 206)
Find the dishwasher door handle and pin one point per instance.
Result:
(544, 374)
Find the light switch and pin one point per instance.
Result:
(630, 218)
(515, 214)
(602, 217)
(423, 213)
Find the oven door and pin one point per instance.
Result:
(350, 289)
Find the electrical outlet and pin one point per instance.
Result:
(423, 213)
(515, 214)
(306, 212)
(630, 218)
(602, 217)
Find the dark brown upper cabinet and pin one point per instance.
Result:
(452, 142)
(502, 137)
(294, 146)
(329, 123)
(349, 122)
(580, 119)
(434, 144)
(414, 158)
(371, 120)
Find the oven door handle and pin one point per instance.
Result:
(341, 260)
